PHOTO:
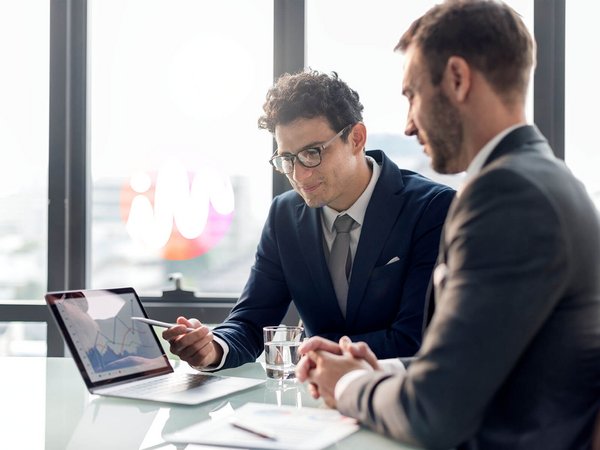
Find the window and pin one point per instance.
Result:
(174, 92)
(24, 143)
(23, 166)
(357, 42)
(581, 99)
(180, 180)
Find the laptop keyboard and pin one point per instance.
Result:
(176, 382)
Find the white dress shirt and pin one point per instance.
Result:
(356, 211)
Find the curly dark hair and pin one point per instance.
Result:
(311, 94)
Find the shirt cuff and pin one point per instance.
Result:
(225, 348)
(392, 365)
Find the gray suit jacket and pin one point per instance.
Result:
(511, 358)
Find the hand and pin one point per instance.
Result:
(330, 367)
(359, 350)
(305, 365)
(197, 347)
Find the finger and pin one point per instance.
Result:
(313, 390)
(319, 343)
(345, 344)
(188, 343)
(196, 352)
(303, 367)
(362, 350)
(191, 323)
(313, 356)
(174, 332)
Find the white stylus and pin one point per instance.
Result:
(158, 323)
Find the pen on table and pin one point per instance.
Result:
(158, 323)
(254, 429)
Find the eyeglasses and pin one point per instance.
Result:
(308, 157)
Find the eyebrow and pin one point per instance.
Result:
(311, 145)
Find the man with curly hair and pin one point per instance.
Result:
(394, 230)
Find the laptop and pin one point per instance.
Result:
(121, 357)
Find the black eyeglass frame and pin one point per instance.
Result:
(279, 160)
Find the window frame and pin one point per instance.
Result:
(69, 197)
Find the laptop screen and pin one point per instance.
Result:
(104, 341)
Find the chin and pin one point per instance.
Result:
(314, 203)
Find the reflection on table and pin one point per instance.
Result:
(46, 406)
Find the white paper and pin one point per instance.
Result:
(294, 428)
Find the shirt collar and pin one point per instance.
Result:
(481, 157)
(358, 210)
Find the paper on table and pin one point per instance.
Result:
(294, 428)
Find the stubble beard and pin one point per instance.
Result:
(445, 137)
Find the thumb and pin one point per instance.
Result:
(192, 323)
(345, 344)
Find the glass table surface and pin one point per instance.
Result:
(45, 405)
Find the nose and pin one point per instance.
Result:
(410, 129)
(300, 172)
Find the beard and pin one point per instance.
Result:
(445, 135)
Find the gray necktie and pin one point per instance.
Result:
(340, 259)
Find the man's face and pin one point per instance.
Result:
(432, 118)
(331, 182)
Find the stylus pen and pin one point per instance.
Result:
(158, 323)
(254, 429)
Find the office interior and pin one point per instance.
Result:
(105, 101)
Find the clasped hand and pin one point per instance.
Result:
(324, 362)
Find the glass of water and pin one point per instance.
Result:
(281, 350)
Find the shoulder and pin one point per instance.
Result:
(288, 200)
(407, 181)
(519, 176)
(416, 182)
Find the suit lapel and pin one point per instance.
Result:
(382, 212)
(441, 261)
(310, 235)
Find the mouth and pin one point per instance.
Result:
(308, 188)
(423, 144)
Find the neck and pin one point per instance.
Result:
(358, 184)
(479, 132)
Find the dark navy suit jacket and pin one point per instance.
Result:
(385, 305)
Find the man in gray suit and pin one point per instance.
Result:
(511, 356)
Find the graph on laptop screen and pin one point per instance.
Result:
(109, 343)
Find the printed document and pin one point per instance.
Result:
(265, 426)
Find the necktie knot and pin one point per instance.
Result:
(343, 224)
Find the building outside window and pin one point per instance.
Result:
(24, 48)
(581, 97)
(179, 174)
(357, 42)
(180, 179)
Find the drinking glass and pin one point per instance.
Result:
(281, 350)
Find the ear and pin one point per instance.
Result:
(358, 137)
(457, 78)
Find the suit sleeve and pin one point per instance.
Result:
(264, 300)
(505, 268)
(403, 336)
